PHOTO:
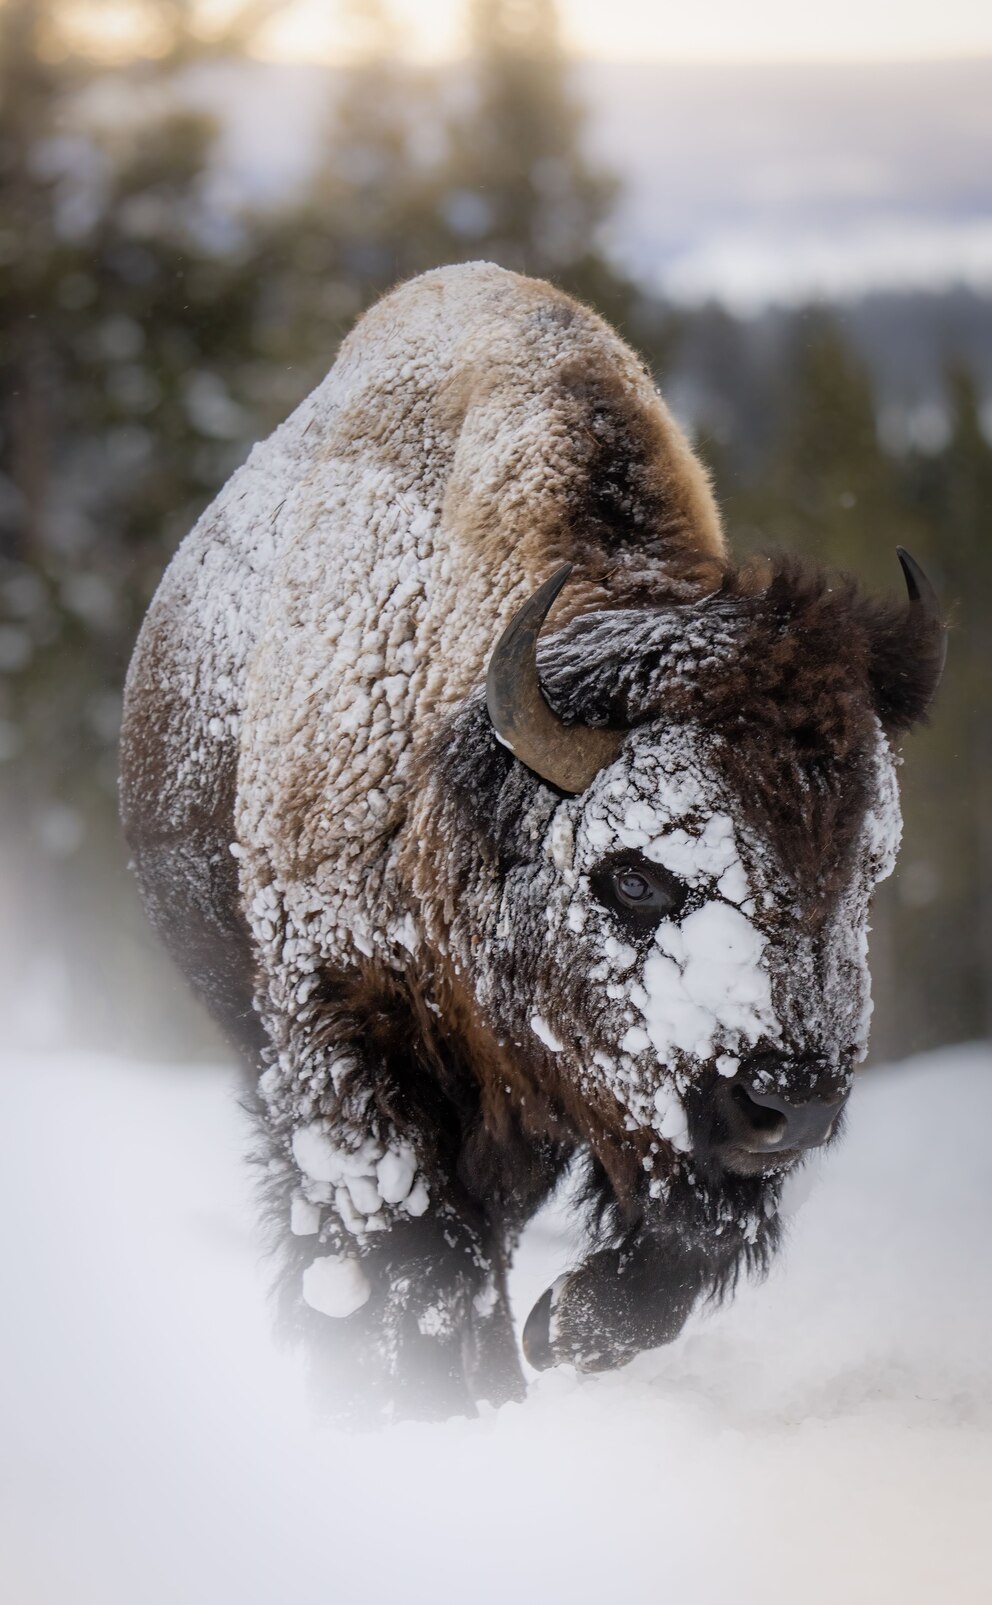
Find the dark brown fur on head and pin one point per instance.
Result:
(790, 664)
(813, 656)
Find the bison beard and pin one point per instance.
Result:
(611, 913)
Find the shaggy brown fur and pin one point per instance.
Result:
(398, 920)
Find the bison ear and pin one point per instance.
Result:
(909, 645)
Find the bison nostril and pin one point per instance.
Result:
(765, 1126)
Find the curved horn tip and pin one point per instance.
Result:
(923, 595)
(546, 594)
(917, 584)
(567, 756)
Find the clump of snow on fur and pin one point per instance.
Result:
(335, 1286)
(395, 1173)
(883, 822)
(542, 1029)
(304, 1217)
(670, 1121)
(704, 983)
(359, 1180)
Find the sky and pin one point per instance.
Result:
(645, 30)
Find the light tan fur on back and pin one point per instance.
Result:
(349, 582)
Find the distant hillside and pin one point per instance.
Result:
(725, 371)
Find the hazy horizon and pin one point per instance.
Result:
(769, 30)
(752, 184)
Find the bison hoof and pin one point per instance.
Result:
(537, 1337)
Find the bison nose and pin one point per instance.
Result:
(764, 1122)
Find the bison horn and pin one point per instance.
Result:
(923, 599)
(569, 756)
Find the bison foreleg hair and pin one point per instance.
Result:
(618, 1302)
(430, 1333)
(647, 1270)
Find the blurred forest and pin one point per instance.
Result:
(150, 332)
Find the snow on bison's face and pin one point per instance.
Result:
(660, 949)
(678, 951)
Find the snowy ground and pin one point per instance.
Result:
(828, 1438)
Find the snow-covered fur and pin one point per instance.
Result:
(406, 930)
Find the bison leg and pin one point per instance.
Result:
(414, 1325)
(619, 1302)
(392, 1272)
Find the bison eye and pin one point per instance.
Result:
(632, 886)
(640, 892)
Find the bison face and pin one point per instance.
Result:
(662, 958)
(676, 955)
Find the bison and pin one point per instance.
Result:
(479, 906)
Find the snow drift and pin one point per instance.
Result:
(828, 1437)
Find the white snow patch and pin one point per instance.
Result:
(417, 1199)
(705, 983)
(364, 1193)
(175, 1445)
(315, 1154)
(395, 1173)
(433, 1322)
(733, 883)
(335, 1286)
(542, 1029)
(671, 1121)
(695, 858)
(304, 1217)
(635, 1039)
(562, 841)
(485, 1302)
(405, 932)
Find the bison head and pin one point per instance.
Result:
(653, 850)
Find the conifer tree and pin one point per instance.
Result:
(952, 490)
(829, 489)
(368, 218)
(128, 392)
(968, 566)
(518, 188)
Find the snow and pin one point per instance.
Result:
(335, 1286)
(359, 1181)
(395, 1174)
(315, 1154)
(670, 1121)
(707, 977)
(827, 1437)
(542, 1029)
(304, 1217)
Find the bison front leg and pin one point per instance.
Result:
(416, 1325)
(393, 1276)
(617, 1303)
